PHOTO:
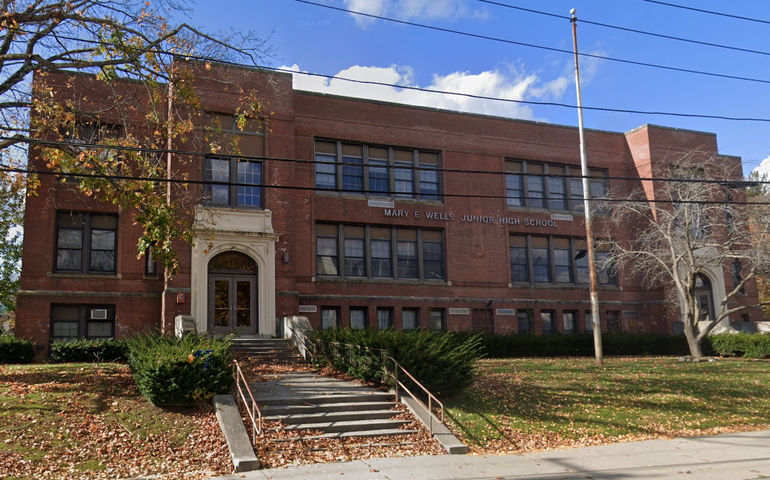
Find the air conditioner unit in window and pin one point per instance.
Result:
(99, 314)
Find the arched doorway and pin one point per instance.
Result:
(232, 293)
(705, 297)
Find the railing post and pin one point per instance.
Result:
(395, 377)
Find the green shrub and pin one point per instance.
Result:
(171, 371)
(747, 345)
(88, 351)
(443, 362)
(15, 350)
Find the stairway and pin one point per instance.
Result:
(272, 350)
(314, 406)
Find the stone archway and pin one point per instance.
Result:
(232, 294)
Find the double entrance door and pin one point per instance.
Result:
(233, 303)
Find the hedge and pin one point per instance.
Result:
(89, 351)
(15, 350)
(171, 371)
(747, 345)
(443, 362)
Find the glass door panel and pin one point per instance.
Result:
(243, 296)
(222, 303)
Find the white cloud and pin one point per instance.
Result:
(764, 167)
(509, 84)
(413, 9)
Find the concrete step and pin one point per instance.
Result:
(276, 410)
(348, 426)
(340, 416)
(321, 399)
(358, 434)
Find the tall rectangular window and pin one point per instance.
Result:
(547, 325)
(410, 319)
(576, 193)
(524, 320)
(357, 318)
(514, 184)
(405, 175)
(384, 318)
(563, 260)
(436, 320)
(249, 190)
(86, 242)
(330, 317)
(432, 255)
(407, 253)
(326, 165)
(381, 252)
(327, 258)
(352, 168)
(535, 185)
(557, 188)
(541, 260)
(355, 255)
(217, 170)
(581, 262)
(379, 180)
(605, 269)
(428, 175)
(519, 262)
(570, 321)
(589, 322)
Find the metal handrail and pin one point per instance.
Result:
(299, 338)
(254, 413)
(431, 398)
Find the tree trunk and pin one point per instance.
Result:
(692, 339)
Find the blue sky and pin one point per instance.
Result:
(315, 39)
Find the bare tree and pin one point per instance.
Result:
(691, 223)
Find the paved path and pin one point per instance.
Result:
(720, 457)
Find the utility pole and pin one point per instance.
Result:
(597, 326)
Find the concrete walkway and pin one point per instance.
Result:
(729, 456)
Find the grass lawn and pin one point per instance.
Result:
(89, 421)
(520, 405)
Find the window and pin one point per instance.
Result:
(150, 265)
(355, 259)
(86, 242)
(436, 320)
(545, 186)
(550, 259)
(384, 318)
(330, 317)
(326, 250)
(70, 322)
(366, 169)
(547, 322)
(410, 319)
(433, 263)
(519, 262)
(613, 321)
(737, 275)
(357, 318)
(246, 192)
(541, 260)
(381, 252)
(570, 321)
(367, 252)
(562, 260)
(589, 322)
(524, 319)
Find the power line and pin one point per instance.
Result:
(727, 183)
(540, 47)
(460, 94)
(710, 12)
(630, 30)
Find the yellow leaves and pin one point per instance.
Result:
(190, 358)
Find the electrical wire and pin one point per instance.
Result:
(710, 12)
(630, 30)
(99, 146)
(540, 47)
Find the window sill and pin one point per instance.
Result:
(381, 281)
(245, 208)
(82, 275)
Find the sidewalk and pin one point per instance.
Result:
(729, 456)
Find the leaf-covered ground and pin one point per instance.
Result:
(89, 421)
(519, 405)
